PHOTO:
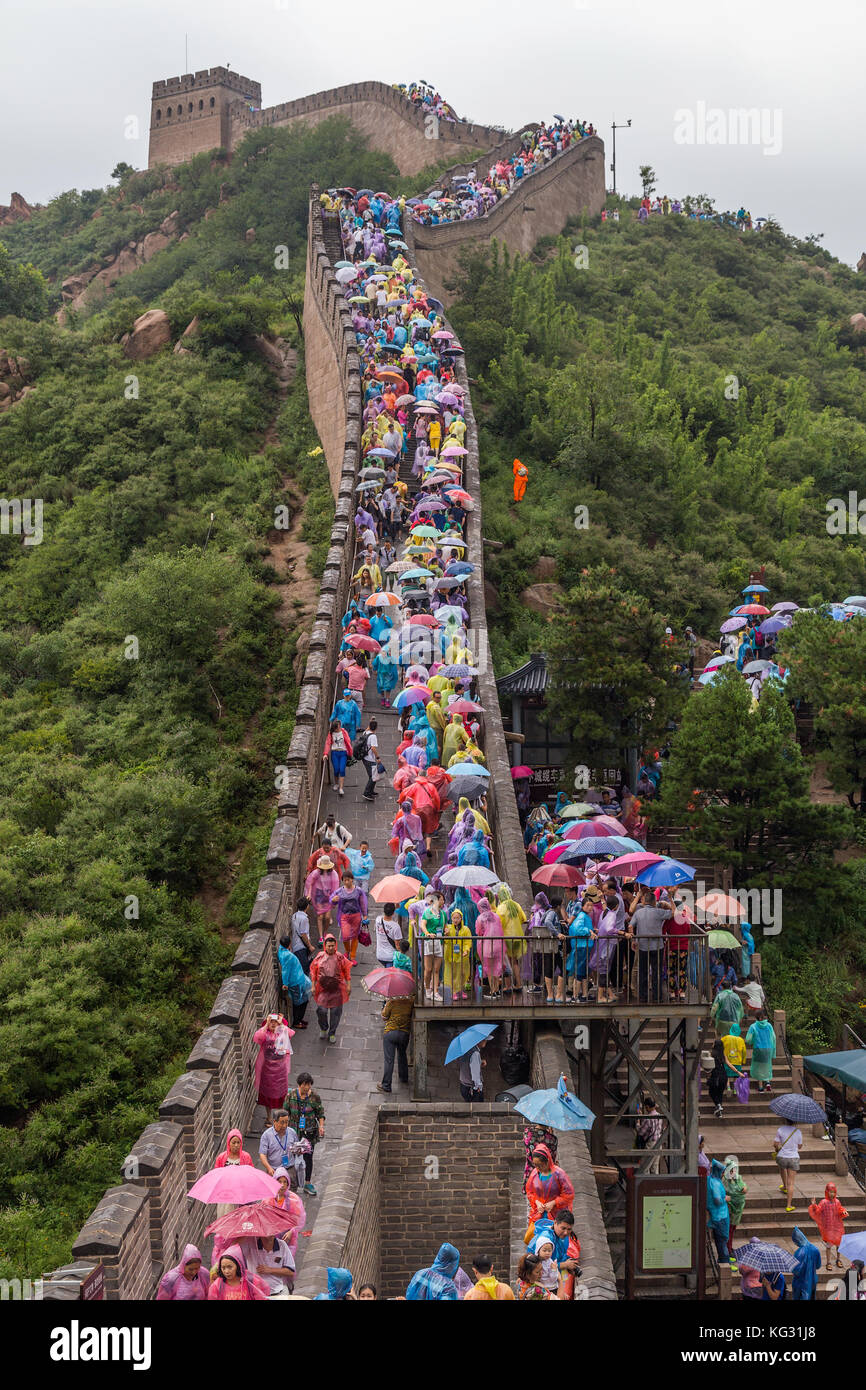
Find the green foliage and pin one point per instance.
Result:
(23, 290)
(612, 679)
(826, 661)
(737, 779)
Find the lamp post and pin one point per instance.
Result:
(614, 127)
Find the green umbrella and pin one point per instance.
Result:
(577, 809)
(723, 941)
(427, 531)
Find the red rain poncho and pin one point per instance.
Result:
(829, 1215)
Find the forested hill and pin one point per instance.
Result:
(698, 389)
(137, 779)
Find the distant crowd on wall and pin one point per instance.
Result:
(665, 206)
(471, 197)
(426, 98)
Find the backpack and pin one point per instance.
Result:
(329, 982)
(360, 747)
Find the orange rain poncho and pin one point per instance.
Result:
(521, 473)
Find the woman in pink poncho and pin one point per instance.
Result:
(233, 1282)
(273, 1061)
(491, 949)
(321, 885)
(187, 1282)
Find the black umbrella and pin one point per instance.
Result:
(470, 787)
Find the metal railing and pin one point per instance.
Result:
(513, 969)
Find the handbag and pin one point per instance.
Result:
(364, 937)
(741, 1087)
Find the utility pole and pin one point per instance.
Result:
(614, 127)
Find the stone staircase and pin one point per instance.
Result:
(669, 840)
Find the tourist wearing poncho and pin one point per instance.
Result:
(761, 1037)
(437, 1282)
(829, 1216)
(549, 1191)
(808, 1257)
(240, 1285)
(179, 1285)
(735, 1190)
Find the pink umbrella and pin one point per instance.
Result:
(263, 1219)
(442, 333)
(733, 625)
(551, 855)
(361, 642)
(521, 771)
(234, 1184)
(610, 823)
(629, 864)
(389, 983)
(453, 451)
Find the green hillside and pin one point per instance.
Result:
(128, 782)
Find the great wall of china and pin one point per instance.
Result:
(140, 1226)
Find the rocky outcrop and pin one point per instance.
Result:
(181, 347)
(250, 235)
(14, 375)
(858, 322)
(19, 210)
(861, 264)
(544, 568)
(150, 333)
(542, 598)
(78, 288)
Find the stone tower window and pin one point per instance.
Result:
(189, 108)
(213, 101)
(159, 114)
(168, 112)
(201, 105)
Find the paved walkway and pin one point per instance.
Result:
(347, 1071)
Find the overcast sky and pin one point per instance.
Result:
(72, 73)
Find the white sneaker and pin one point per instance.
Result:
(437, 997)
(428, 994)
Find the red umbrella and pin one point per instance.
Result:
(751, 608)
(361, 642)
(464, 707)
(558, 876)
(424, 620)
(521, 771)
(389, 983)
(262, 1219)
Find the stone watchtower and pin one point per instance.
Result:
(190, 114)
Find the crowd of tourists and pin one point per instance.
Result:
(471, 195)
(425, 98)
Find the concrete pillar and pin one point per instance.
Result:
(725, 1283)
(841, 1138)
(419, 1034)
(597, 1053)
(756, 965)
(780, 1023)
(692, 1103)
(819, 1096)
(796, 1072)
(676, 1098)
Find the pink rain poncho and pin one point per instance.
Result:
(251, 1286)
(175, 1287)
(491, 947)
(272, 1063)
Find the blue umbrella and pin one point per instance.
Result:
(707, 677)
(460, 671)
(755, 589)
(469, 1038)
(627, 845)
(852, 1246)
(797, 1108)
(857, 600)
(773, 625)
(590, 845)
(467, 770)
(557, 1108)
(666, 874)
(461, 567)
(765, 1257)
